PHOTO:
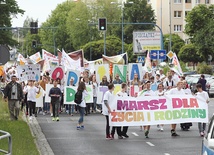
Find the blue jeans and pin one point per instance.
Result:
(81, 111)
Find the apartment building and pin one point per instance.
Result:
(172, 14)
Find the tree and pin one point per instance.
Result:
(176, 41)
(188, 53)
(200, 29)
(53, 32)
(137, 12)
(6, 10)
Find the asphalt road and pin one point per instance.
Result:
(64, 139)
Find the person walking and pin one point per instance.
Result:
(55, 93)
(203, 94)
(14, 94)
(31, 91)
(82, 105)
(106, 108)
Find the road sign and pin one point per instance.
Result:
(4, 54)
(158, 54)
(140, 59)
(170, 54)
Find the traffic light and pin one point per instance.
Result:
(34, 44)
(33, 27)
(102, 23)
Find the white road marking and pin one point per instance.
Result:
(135, 134)
(166, 154)
(150, 144)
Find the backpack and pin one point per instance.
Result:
(78, 97)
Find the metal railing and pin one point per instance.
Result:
(6, 135)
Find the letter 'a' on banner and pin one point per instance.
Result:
(135, 68)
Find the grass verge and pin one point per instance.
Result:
(22, 139)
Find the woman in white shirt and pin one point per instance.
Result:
(31, 91)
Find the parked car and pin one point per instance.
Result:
(193, 79)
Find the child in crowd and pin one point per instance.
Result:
(205, 96)
(55, 94)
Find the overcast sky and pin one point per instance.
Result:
(37, 9)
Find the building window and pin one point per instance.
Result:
(177, 28)
(187, 1)
(186, 13)
(177, 1)
(207, 1)
(177, 13)
(197, 1)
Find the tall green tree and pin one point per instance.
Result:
(177, 42)
(200, 29)
(6, 10)
(54, 32)
(137, 11)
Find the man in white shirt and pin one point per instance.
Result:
(203, 94)
(176, 91)
(175, 77)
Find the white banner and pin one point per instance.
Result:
(150, 110)
(29, 72)
(48, 88)
(39, 98)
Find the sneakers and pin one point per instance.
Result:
(78, 127)
(51, 114)
(126, 136)
(158, 127)
(109, 137)
(161, 128)
(30, 118)
(120, 137)
(202, 134)
(82, 127)
(147, 133)
(57, 119)
(173, 133)
(53, 119)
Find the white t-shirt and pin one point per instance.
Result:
(204, 95)
(109, 97)
(84, 95)
(158, 93)
(175, 91)
(31, 93)
(120, 93)
(187, 91)
(147, 93)
(95, 88)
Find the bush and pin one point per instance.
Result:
(203, 68)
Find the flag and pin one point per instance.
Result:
(35, 57)
(176, 65)
(70, 63)
(148, 65)
(47, 55)
(21, 59)
(118, 59)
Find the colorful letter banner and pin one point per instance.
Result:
(135, 68)
(121, 70)
(150, 110)
(89, 98)
(29, 72)
(58, 72)
(102, 70)
(48, 88)
(100, 93)
(39, 98)
(117, 88)
(72, 74)
(69, 93)
(134, 90)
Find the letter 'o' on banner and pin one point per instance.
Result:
(58, 73)
(72, 75)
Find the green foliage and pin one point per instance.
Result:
(188, 53)
(137, 12)
(200, 28)
(183, 66)
(6, 11)
(131, 56)
(23, 141)
(203, 68)
(176, 42)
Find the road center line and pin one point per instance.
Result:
(135, 134)
(150, 144)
